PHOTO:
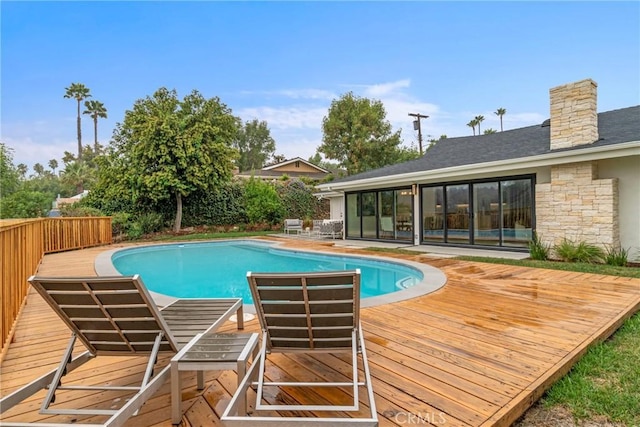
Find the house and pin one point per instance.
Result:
(574, 176)
(62, 201)
(294, 168)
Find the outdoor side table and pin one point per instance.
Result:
(210, 352)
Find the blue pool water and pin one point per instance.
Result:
(219, 269)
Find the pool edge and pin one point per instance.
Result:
(433, 278)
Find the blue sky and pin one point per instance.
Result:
(284, 62)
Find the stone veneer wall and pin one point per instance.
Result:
(574, 115)
(578, 206)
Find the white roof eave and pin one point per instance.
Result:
(548, 159)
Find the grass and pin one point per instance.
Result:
(581, 267)
(606, 381)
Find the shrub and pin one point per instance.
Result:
(120, 223)
(569, 251)
(150, 222)
(262, 202)
(79, 210)
(134, 231)
(537, 249)
(25, 204)
(616, 257)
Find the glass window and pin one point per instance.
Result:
(432, 214)
(486, 214)
(404, 214)
(517, 207)
(369, 217)
(457, 213)
(353, 215)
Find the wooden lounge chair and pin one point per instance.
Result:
(116, 316)
(306, 313)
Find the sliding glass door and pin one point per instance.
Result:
(485, 213)
(457, 230)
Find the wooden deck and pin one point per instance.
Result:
(478, 352)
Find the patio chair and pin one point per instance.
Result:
(386, 227)
(116, 316)
(306, 313)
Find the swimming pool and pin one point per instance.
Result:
(218, 269)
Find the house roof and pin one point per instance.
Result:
(296, 159)
(614, 127)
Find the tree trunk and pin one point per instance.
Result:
(178, 224)
(95, 133)
(79, 134)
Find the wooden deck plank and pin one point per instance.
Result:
(477, 352)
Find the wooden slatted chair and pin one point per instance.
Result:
(116, 316)
(306, 313)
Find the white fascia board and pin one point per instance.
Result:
(510, 165)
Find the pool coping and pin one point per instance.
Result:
(433, 278)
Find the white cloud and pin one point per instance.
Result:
(30, 152)
(293, 117)
(382, 89)
(295, 93)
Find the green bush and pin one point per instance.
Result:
(262, 202)
(616, 257)
(223, 206)
(25, 204)
(134, 230)
(79, 210)
(150, 222)
(537, 249)
(569, 251)
(120, 222)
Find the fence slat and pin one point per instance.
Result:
(24, 242)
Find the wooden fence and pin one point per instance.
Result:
(24, 242)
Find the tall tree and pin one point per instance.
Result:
(254, 144)
(472, 124)
(479, 119)
(357, 134)
(9, 175)
(53, 164)
(95, 110)
(38, 169)
(79, 92)
(22, 170)
(500, 112)
(167, 147)
(76, 174)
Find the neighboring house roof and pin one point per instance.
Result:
(614, 127)
(296, 159)
(288, 168)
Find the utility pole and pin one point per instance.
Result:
(416, 126)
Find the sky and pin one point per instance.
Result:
(285, 62)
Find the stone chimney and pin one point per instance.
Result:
(574, 114)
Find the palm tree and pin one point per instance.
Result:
(479, 119)
(78, 91)
(53, 164)
(96, 110)
(38, 169)
(22, 170)
(472, 124)
(500, 112)
(76, 174)
(489, 131)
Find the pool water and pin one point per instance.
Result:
(219, 269)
